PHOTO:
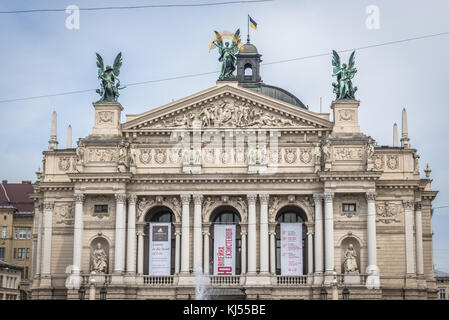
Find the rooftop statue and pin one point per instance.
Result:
(227, 55)
(110, 83)
(343, 87)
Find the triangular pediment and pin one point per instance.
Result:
(226, 106)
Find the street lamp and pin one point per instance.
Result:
(81, 292)
(323, 294)
(345, 294)
(103, 292)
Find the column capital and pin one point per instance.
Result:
(79, 197)
(120, 197)
(418, 206)
(243, 233)
(408, 204)
(370, 196)
(49, 205)
(252, 198)
(140, 233)
(328, 196)
(132, 198)
(177, 233)
(264, 198)
(198, 199)
(310, 233)
(272, 233)
(318, 196)
(185, 198)
(206, 233)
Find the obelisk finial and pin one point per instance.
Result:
(405, 141)
(395, 136)
(69, 137)
(53, 142)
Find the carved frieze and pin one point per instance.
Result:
(160, 156)
(346, 115)
(392, 162)
(348, 153)
(65, 213)
(105, 117)
(379, 162)
(64, 163)
(305, 155)
(145, 156)
(290, 155)
(102, 155)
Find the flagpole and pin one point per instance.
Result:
(248, 30)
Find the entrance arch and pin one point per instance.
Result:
(226, 215)
(159, 214)
(291, 214)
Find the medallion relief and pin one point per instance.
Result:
(387, 212)
(65, 214)
(392, 162)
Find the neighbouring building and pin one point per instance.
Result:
(10, 279)
(16, 224)
(442, 279)
(238, 189)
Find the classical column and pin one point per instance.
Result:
(78, 233)
(310, 253)
(409, 250)
(131, 243)
(371, 229)
(185, 235)
(419, 243)
(264, 253)
(273, 252)
(206, 252)
(39, 240)
(318, 198)
(329, 233)
(243, 252)
(140, 253)
(252, 233)
(197, 236)
(119, 256)
(48, 224)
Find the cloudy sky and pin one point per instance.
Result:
(40, 56)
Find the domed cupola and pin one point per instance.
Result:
(248, 65)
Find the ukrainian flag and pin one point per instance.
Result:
(252, 23)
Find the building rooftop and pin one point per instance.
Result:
(439, 273)
(17, 195)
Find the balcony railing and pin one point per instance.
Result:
(292, 280)
(224, 280)
(158, 280)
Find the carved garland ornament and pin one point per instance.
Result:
(290, 155)
(379, 162)
(64, 163)
(393, 162)
(305, 155)
(387, 212)
(145, 156)
(160, 156)
(65, 214)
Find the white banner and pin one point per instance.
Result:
(224, 249)
(160, 248)
(291, 248)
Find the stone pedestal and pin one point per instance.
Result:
(352, 278)
(346, 119)
(107, 119)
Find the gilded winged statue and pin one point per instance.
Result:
(110, 83)
(227, 54)
(343, 87)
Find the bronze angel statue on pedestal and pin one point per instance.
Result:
(343, 87)
(110, 83)
(227, 55)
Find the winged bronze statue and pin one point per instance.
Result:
(110, 83)
(227, 54)
(343, 87)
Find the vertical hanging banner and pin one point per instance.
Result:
(160, 248)
(224, 249)
(291, 248)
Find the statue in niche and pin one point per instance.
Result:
(80, 153)
(350, 264)
(99, 259)
(326, 148)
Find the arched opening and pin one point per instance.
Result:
(291, 219)
(154, 215)
(225, 216)
(99, 255)
(248, 71)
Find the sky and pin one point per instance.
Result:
(40, 56)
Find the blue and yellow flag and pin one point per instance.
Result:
(252, 23)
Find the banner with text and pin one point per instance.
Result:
(224, 249)
(291, 248)
(160, 248)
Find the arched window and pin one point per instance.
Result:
(291, 214)
(248, 71)
(159, 214)
(226, 215)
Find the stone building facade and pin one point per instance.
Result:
(242, 153)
